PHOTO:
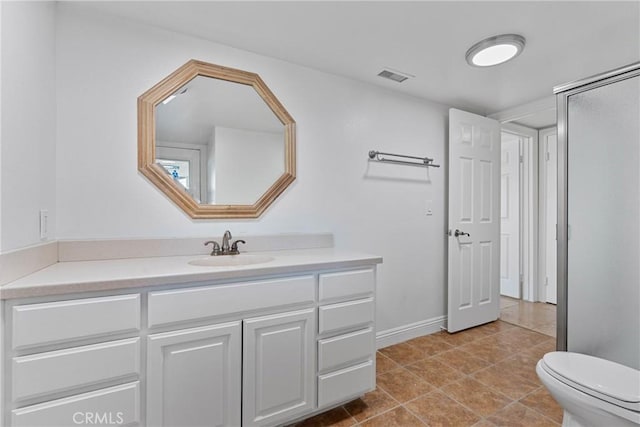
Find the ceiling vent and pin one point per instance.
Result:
(394, 75)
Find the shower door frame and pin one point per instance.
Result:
(563, 92)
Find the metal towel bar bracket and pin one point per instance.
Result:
(377, 156)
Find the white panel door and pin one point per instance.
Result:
(278, 367)
(474, 208)
(550, 143)
(194, 377)
(510, 216)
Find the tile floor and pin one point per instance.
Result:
(484, 376)
(538, 316)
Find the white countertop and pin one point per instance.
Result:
(89, 276)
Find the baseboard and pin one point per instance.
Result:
(407, 332)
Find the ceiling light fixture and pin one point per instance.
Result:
(169, 99)
(172, 97)
(495, 50)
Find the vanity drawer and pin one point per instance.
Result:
(209, 301)
(62, 370)
(344, 349)
(36, 324)
(119, 405)
(345, 315)
(345, 383)
(346, 283)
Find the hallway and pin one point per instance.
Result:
(537, 316)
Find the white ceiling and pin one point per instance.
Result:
(565, 40)
(208, 103)
(539, 120)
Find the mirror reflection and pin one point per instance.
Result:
(220, 141)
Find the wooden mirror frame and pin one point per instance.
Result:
(147, 165)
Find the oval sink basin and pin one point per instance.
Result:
(231, 260)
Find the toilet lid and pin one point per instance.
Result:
(597, 376)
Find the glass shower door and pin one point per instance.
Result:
(603, 217)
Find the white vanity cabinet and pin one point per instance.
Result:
(73, 362)
(262, 351)
(346, 335)
(279, 365)
(193, 377)
(266, 363)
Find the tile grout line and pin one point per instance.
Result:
(414, 414)
(380, 413)
(531, 409)
(465, 406)
(542, 387)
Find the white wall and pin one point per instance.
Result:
(1, 38)
(103, 65)
(28, 168)
(247, 163)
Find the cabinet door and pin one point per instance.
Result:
(278, 367)
(194, 378)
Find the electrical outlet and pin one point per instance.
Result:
(44, 224)
(429, 207)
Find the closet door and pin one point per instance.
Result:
(194, 378)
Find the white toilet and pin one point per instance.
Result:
(593, 392)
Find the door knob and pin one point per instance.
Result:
(460, 233)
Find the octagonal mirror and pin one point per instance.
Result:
(216, 141)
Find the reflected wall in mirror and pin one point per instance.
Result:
(216, 141)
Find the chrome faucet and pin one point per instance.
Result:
(225, 248)
(225, 242)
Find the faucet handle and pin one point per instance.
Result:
(216, 247)
(234, 246)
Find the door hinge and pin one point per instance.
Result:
(521, 159)
(546, 281)
(548, 156)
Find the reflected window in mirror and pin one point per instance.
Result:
(178, 170)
